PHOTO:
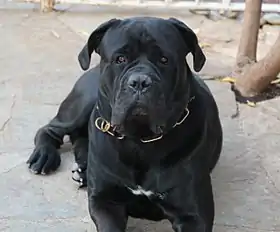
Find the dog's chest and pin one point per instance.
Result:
(140, 191)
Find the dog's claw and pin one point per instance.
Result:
(79, 175)
(43, 160)
(76, 176)
(32, 171)
(75, 167)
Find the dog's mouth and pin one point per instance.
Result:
(138, 124)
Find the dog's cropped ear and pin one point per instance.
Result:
(93, 43)
(191, 42)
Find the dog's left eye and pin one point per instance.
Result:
(121, 59)
(163, 60)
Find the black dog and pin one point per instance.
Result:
(146, 131)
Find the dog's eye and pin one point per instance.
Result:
(121, 59)
(163, 60)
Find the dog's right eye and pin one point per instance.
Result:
(121, 59)
(163, 60)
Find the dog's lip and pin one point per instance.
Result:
(139, 111)
(118, 128)
(157, 130)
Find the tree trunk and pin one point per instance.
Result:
(256, 77)
(249, 36)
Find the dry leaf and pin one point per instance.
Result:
(228, 79)
(251, 104)
(204, 45)
(55, 34)
(276, 81)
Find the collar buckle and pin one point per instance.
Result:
(105, 126)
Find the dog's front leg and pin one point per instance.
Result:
(72, 116)
(107, 216)
(192, 209)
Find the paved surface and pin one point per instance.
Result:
(38, 67)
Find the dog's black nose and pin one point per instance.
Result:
(139, 82)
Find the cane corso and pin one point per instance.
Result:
(145, 129)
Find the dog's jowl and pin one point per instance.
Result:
(145, 129)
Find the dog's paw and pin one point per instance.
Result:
(79, 175)
(44, 160)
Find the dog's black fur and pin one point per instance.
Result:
(141, 86)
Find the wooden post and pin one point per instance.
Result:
(47, 5)
(247, 49)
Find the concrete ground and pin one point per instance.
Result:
(38, 67)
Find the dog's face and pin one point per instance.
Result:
(144, 74)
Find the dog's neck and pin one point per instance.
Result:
(104, 107)
(182, 99)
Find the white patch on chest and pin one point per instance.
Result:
(141, 191)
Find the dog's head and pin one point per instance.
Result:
(144, 74)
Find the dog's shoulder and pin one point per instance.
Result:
(87, 85)
(200, 83)
(88, 79)
(206, 96)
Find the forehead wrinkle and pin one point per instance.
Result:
(114, 42)
(165, 35)
(141, 32)
(144, 38)
(156, 32)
